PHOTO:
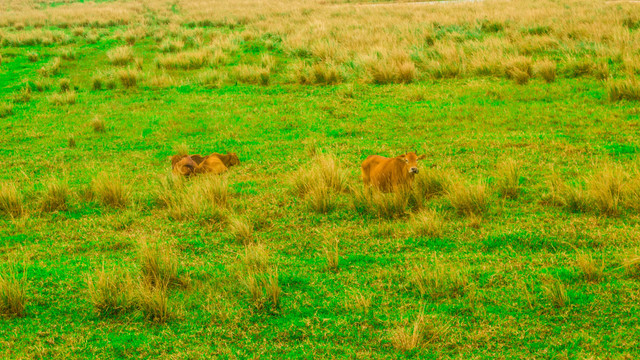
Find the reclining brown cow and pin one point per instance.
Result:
(197, 164)
(388, 174)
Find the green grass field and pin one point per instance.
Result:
(519, 239)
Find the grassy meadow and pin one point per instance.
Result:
(520, 237)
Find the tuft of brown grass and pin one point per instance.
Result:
(120, 56)
(255, 258)
(56, 196)
(628, 89)
(65, 85)
(439, 281)
(97, 124)
(111, 293)
(159, 266)
(547, 70)
(33, 56)
(427, 223)
(153, 301)
(51, 68)
(128, 77)
(241, 229)
(110, 190)
(508, 179)
(419, 334)
(5, 110)
(204, 199)
(590, 269)
(317, 182)
(252, 74)
(185, 60)
(469, 200)
(606, 188)
(332, 255)
(64, 98)
(212, 79)
(372, 201)
(13, 293)
(10, 200)
(519, 69)
(556, 292)
(319, 197)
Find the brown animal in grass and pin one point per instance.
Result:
(211, 165)
(183, 165)
(229, 160)
(388, 174)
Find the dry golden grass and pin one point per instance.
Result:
(51, 68)
(205, 198)
(371, 201)
(159, 266)
(556, 292)
(110, 190)
(606, 188)
(65, 85)
(121, 55)
(428, 223)
(241, 229)
(332, 255)
(419, 334)
(439, 281)
(63, 98)
(508, 179)
(591, 270)
(469, 200)
(153, 301)
(628, 89)
(97, 124)
(252, 74)
(546, 69)
(11, 200)
(111, 292)
(13, 293)
(56, 196)
(129, 77)
(186, 60)
(5, 110)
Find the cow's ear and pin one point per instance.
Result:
(423, 156)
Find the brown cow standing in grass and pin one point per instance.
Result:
(183, 165)
(388, 174)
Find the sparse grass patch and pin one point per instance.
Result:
(5, 110)
(111, 191)
(186, 60)
(241, 229)
(51, 68)
(13, 293)
(547, 70)
(556, 292)
(468, 199)
(97, 124)
(10, 200)
(33, 56)
(428, 223)
(65, 85)
(251, 74)
(508, 179)
(332, 255)
(419, 334)
(606, 188)
(159, 266)
(628, 89)
(153, 301)
(64, 98)
(111, 293)
(129, 77)
(205, 198)
(56, 196)
(439, 281)
(120, 56)
(520, 69)
(591, 270)
(212, 79)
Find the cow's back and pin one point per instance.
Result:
(212, 165)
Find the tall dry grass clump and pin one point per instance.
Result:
(63, 98)
(508, 179)
(5, 110)
(469, 200)
(259, 279)
(252, 74)
(520, 69)
(97, 124)
(120, 56)
(128, 77)
(428, 184)
(51, 68)
(56, 196)
(369, 200)
(111, 191)
(428, 223)
(159, 266)
(317, 183)
(628, 89)
(546, 69)
(556, 292)
(241, 229)
(11, 200)
(591, 269)
(111, 293)
(439, 281)
(420, 333)
(204, 198)
(13, 293)
(185, 60)
(606, 188)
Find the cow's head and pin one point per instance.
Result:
(233, 159)
(411, 161)
(184, 164)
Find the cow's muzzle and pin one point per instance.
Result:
(413, 170)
